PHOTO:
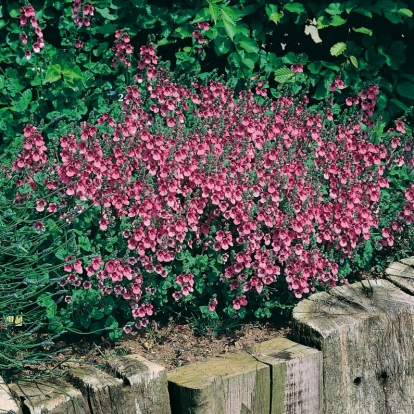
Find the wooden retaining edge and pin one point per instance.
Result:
(366, 334)
(276, 377)
(364, 331)
(130, 385)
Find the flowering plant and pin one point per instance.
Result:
(184, 195)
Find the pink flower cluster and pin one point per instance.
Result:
(26, 13)
(82, 19)
(33, 156)
(122, 49)
(281, 185)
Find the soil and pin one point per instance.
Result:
(173, 345)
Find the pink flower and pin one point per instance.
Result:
(170, 122)
(239, 301)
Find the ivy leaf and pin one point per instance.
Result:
(335, 8)
(406, 89)
(249, 45)
(354, 61)
(338, 48)
(363, 30)
(283, 75)
(295, 8)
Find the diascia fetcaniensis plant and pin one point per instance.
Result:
(196, 197)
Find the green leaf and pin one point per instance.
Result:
(295, 8)
(283, 75)
(109, 305)
(406, 89)
(338, 49)
(102, 47)
(393, 17)
(249, 63)
(214, 11)
(249, 45)
(222, 45)
(97, 314)
(405, 12)
(363, 11)
(53, 74)
(315, 67)
(273, 13)
(351, 4)
(230, 28)
(105, 13)
(337, 21)
(23, 103)
(386, 5)
(335, 8)
(363, 30)
(203, 15)
(399, 104)
(85, 320)
(354, 61)
(111, 322)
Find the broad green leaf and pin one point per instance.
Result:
(315, 67)
(337, 21)
(273, 13)
(111, 322)
(97, 314)
(214, 11)
(351, 4)
(405, 12)
(102, 47)
(335, 8)
(105, 13)
(248, 63)
(406, 89)
(363, 11)
(283, 75)
(393, 17)
(222, 45)
(290, 58)
(399, 104)
(230, 28)
(85, 320)
(363, 30)
(228, 14)
(295, 8)
(338, 48)
(53, 74)
(23, 103)
(354, 61)
(203, 15)
(249, 45)
(386, 5)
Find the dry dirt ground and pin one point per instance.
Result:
(174, 345)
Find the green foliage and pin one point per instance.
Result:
(361, 40)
